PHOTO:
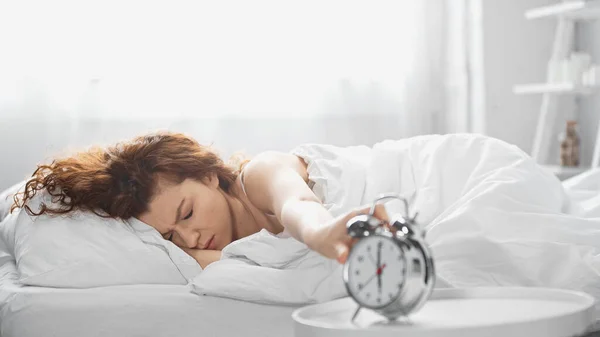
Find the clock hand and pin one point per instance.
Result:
(378, 272)
(379, 266)
(368, 281)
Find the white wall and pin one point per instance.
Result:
(588, 40)
(514, 51)
(28, 142)
(510, 49)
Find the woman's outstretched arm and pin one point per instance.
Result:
(277, 183)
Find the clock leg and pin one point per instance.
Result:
(356, 313)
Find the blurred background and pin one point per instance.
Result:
(269, 75)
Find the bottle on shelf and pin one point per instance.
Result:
(569, 145)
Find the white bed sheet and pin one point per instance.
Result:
(140, 310)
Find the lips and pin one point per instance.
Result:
(208, 245)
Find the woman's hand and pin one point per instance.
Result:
(204, 257)
(332, 240)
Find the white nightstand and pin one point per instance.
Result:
(490, 312)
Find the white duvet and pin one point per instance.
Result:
(493, 218)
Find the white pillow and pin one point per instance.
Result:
(83, 250)
(6, 198)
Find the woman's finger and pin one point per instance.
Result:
(341, 252)
(380, 212)
(343, 249)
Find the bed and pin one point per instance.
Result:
(492, 186)
(139, 310)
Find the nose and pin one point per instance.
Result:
(188, 236)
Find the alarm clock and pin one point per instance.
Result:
(389, 269)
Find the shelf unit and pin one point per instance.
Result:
(572, 10)
(567, 13)
(555, 88)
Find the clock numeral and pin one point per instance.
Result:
(368, 295)
(378, 300)
(360, 258)
(360, 286)
(400, 285)
(357, 272)
(417, 265)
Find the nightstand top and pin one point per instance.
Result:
(488, 312)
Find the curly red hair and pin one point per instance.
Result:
(121, 180)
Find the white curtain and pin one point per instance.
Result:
(242, 75)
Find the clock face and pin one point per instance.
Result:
(376, 270)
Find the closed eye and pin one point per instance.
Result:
(169, 236)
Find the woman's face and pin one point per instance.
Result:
(192, 214)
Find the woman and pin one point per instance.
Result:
(190, 196)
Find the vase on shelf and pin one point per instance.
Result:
(569, 145)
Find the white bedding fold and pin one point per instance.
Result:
(266, 268)
(493, 217)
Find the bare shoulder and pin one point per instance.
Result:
(269, 161)
(271, 178)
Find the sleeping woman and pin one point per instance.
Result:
(191, 196)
